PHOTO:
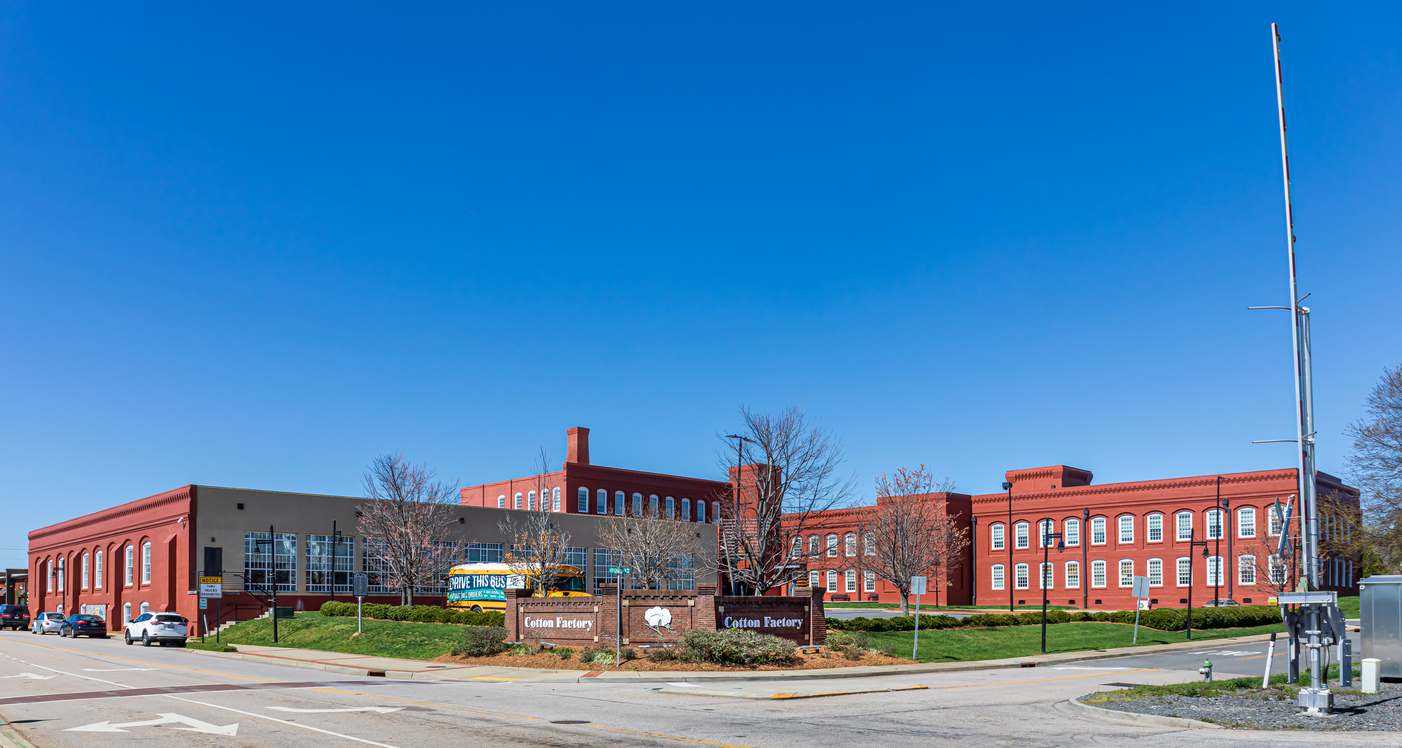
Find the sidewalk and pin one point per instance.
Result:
(388, 667)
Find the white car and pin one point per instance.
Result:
(166, 628)
(47, 623)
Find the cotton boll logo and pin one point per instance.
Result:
(658, 617)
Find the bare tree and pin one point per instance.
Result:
(912, 533)
(1376, 465)
(409, 522)
(792, 477)
(656, 550)
(538, 542)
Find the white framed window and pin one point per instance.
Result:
(1097, 574)
(832, 580)
(1184, 571)
(1153, 527)
(1097, 531)
(601, 501)
(813, 579)
(530, 501)
(868, 581)
(1045, 528)
(146, 562)
(83, 572)
(1273, 520)
(1214, 523)
(669, 506)
(1073, 575)
(501, 501)
(832, 546)
(637, 505)
(555, 499)
(129, 576)
(849, 544)
(1020, 576)
(62, 573)
(1277, 565)
(701, 511)
(1127, 572)
(1047, 580)
(1071, 528)
(97, 570)
(995, 536)
(813, 545)
(1183, 526)
(1246, 569)
(145, 607)
(516, 500)
(995, 577)
(797, 549)
(851, 579)
(1020, 535)
(652, 505)
(1214, 571)
(582, 500)
(268, 561)
(1126, 528)
(686, 509)
(620, 500)
(126, 613)
(1155, 567)
(1246, 522)
(869, 545)
(715, 512)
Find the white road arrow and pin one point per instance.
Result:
(31, 676)
(190, 724)
(375, 709)
(117, 669)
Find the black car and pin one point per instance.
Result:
(14, 617)
(83, 624)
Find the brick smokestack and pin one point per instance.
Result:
(577, 449)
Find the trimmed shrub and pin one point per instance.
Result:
(481, 641)
(849, 644)
(1163, 619)
(736, 647)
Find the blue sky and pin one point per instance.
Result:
(259, 248)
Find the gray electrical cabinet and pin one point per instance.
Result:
(1381, 619)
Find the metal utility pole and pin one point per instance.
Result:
(1008, 541)
(1082, 537)
(1044, 574)
(740, 440)
(335, 536)
(272, 572)
(1194, 543)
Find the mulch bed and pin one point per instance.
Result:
(1273, 710)
(547, 661)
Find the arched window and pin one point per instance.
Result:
(851, 580)
(869, 545)
(832, 580)
(1214, 571)
(686, 510)
(619, 502)
(813, 580)
(1153, 527)
(83, 569)
(832, 546)
(129, 570)
(62, 572)
(501, 501)
(1020, 535)
(1183, 526)
(813, 545)
(126, 613)
(1273, 521)
(530, 501)
(1155, 567)
(145, 607)
(715, 511)
(995, 577)
(670, 506)
(700, 511)
(48, 576)
(1126, 526)
(1097, 531)
(146, 562)
(1246, 522)
(555, 499)
(652, 502)
(637, 505)
(1071, 528)
(97, 570)
(849, 544)
(582, 500)
(601, 501)
(1097, 574)
(995, 536)
(1214, 523)
(1073, 575)
(516, 501)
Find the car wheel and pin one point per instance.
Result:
(145, 638)
(126, 636)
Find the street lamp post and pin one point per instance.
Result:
(1045, 571)
(1194, 543)
(739, 461)
(1082, 538)
(1008, 541)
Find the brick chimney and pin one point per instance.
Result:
(577, 449)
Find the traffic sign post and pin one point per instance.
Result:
(917, 588)
(1140, 589)
(361, 584)
(619, 572)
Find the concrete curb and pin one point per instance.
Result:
(784, 696)
(11, 737)
(1135, 718)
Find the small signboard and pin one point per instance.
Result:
(917, 585)
(211, 589)
(360, 584)
(204, 603)
(1141, 587)
(616, 570)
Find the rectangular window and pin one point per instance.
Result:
(97, 571)
(1214, 571)
(1126, 522)
(576, 557)
(83, 582)
(996, 576)
(1073, 574)
(1246, 570)
(1214, 524)
(530, 501)
(868, 581)
(1097, 531)
(832, 546)
(1184, 571)
(995, 536)
(1020, 535)
(832, 581)
(681, 572)
(869, 545)
(1047, 580)
(1097, 574)
(483, 553)
(1155, 572)
(1044, 531)
(146, 563)
(582, 500)
(320, 574)
(1127, 573)
(671, 508)
(813, 580)
(130, 570)
(1154, 528)
(851, 580)
(1246, 522)
(637, 505)
(444, 552)
(1274, 518)
(1183, 526)
(849, 544)
(516, 500)
(376, 568)
(1020, 576)
(604, 559)
(1072, 530)
(268, 560)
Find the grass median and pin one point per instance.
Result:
(415, 641)
(964, 644)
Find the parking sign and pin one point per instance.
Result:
(1141, 587)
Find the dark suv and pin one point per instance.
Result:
(14, 617)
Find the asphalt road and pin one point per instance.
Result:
(59, 692)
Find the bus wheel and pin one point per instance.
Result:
(477, 609)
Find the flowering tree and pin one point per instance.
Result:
(538, 542)
(912, 533)
(408, 520)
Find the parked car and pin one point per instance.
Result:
(47, 623)
(83, 624)
(14, 617)
(166, 628)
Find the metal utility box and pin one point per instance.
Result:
(1381, 619)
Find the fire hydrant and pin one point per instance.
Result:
(1206, 671)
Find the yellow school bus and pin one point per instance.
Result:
(483, 586)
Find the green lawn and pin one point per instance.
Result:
(957, 645)
(1349, 605)
(925, 606)
(418, 641)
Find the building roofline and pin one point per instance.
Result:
(146, 502)
(1236, 478)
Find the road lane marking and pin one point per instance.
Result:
(118, 669)
(1082, 667)
(166, 718)
(30, 676)
(256, 715)
(338, 710)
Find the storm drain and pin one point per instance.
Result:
(1120, 685)
(569, 721)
